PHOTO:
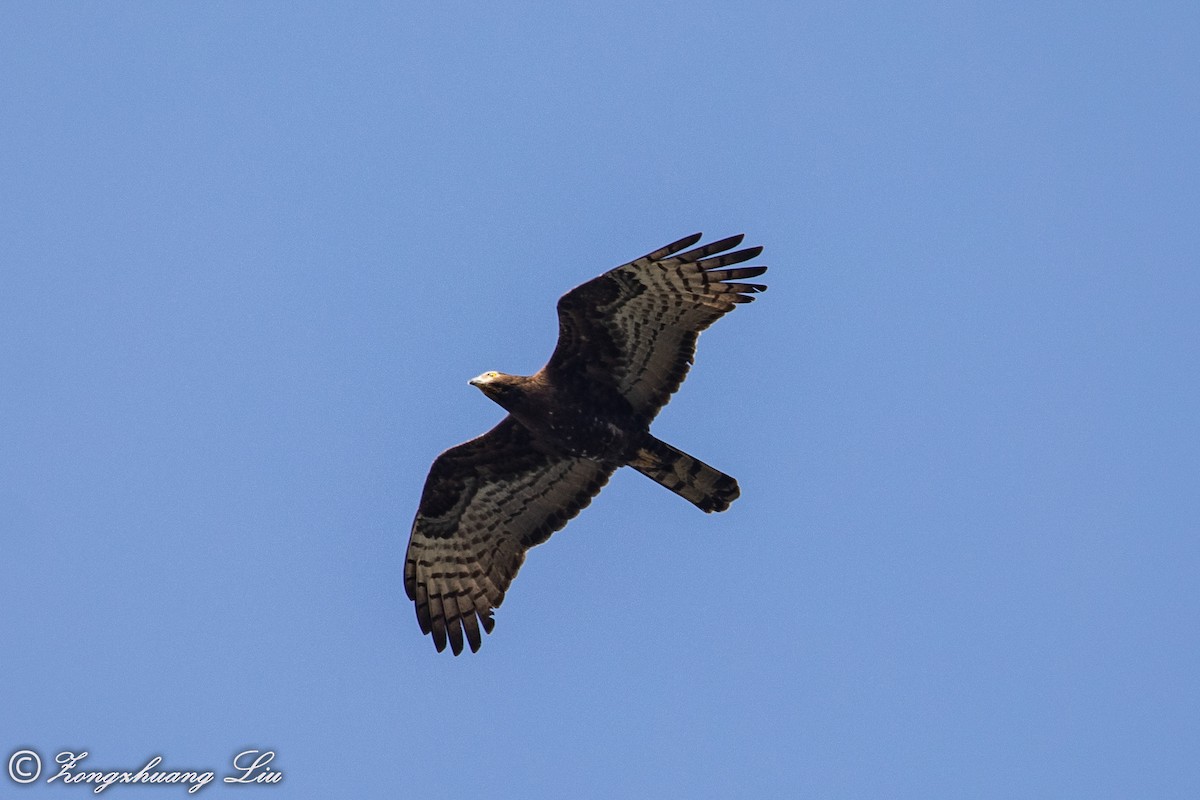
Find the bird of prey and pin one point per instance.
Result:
(626, 340)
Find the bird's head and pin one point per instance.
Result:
(494, 384)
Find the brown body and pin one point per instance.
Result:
(598, 424)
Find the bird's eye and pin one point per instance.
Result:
(493, 374)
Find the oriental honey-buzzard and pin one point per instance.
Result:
(626, 340)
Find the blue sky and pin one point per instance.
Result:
(251, 254)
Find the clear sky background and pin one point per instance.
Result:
(252, 252)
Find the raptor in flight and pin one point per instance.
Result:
(626, 340)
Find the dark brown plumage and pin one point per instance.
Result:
(626, 340)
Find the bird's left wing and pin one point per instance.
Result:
(484, 504)
(634, 328)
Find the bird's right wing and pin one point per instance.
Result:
(484, 504)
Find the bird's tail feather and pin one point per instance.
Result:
(707, 488)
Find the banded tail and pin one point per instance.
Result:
(690, 478)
